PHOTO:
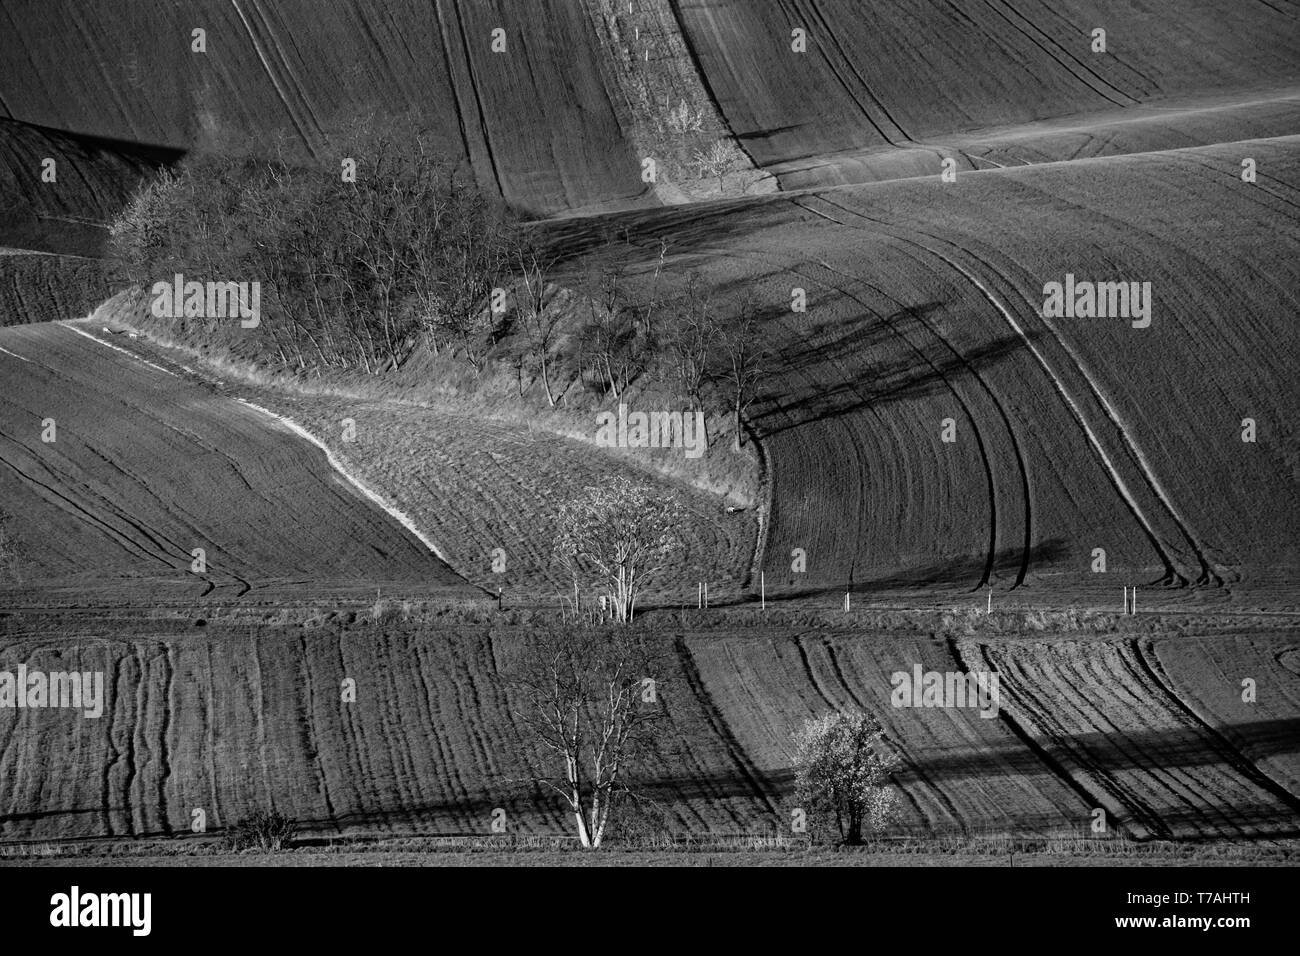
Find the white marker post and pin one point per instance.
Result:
(762, 585)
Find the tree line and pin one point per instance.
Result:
(398, 248)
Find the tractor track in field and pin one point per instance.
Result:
(1078, 70)
(1155, 672)
(1104, 794)
(1207, 573)
(298, 122)
(990, 559)
(752, 776)
(828, 32)
(1026, 497)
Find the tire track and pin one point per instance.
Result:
(849, 381)
(1025, 494)
(1209, 572)
(310, 743)
(1116, 479)
(1145, 656)
(1144, 815)
(164, 756)
(473, 85)
(297, 121)
(753, 777)
(1077, 70)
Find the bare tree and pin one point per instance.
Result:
(540, 322)
(718, 160)
(692, 344)
(622, 534)
(588, 702)
(742, 363)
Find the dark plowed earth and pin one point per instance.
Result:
(537, 121)
(228, 723)
(906, 76)
(146, 466)
(1070, 434)
(42, 287)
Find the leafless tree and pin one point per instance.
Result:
(588, 700)
(539, 321)
(742, 363)
(622, 535)
(718, 160)
(692, 344)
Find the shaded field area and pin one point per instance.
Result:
(1067, 435)
(230, 720)
(113, 471)
(42, 287)
(854, 89)
(237, 721)
(535, 121)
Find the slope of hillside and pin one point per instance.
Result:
(889, 74)
(1067, 434)
(535, 120)
(113, 471)
(43, 287)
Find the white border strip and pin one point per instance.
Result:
(15, 355)
(356, 482)
(118, 348)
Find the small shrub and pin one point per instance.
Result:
(387, 611)
(266, 830)
(682, 119)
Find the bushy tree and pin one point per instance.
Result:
(619, 535)
(844, 768)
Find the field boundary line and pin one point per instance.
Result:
(392, 511)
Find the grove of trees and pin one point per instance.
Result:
(396, 247)
(357, 262)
